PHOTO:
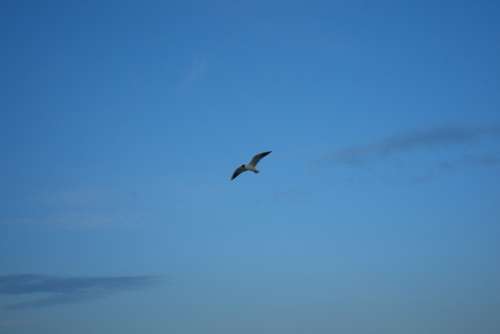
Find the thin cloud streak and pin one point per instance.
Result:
(53, 290)
(396, 145)
(196, 71)
(484, 160)
(84, 207)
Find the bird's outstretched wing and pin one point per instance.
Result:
(255, 160)
(238, 171)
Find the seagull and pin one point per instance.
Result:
(251, 166)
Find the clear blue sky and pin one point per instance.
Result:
(377, 212)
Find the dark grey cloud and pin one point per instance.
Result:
(45, 290)
(413, 141)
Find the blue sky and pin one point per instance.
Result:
(121, 124)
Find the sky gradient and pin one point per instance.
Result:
(377, 211)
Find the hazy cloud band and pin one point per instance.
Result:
(432, 138)
(54, 290)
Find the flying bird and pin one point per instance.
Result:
(251, 166)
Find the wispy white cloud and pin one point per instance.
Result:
(196, 70)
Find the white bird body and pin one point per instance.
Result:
(251, 166)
